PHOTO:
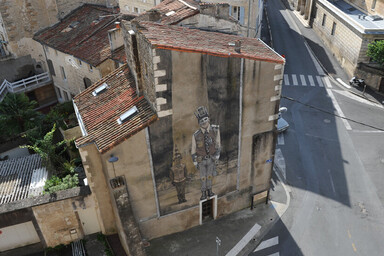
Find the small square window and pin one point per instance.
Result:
(126, 7)
(90, 68)
(79, 61)
(136, 10)
(58, 91)
(66, 96)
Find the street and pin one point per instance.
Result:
(334, 157)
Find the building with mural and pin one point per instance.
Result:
(182, 134)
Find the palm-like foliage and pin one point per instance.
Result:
(17, 114)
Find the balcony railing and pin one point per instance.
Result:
(24, 85)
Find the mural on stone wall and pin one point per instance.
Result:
(206, 151)
(189, 164)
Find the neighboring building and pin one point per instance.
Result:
(27, 217)
(138, 119)
(240, 10)
(137, 6)
(80, 49)
(346, 28)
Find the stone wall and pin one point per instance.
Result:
(64, 7)
(136, 6)
(23, 18)
(75, 70)
(345, 44)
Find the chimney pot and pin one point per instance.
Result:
(117, 24)
(238, 46)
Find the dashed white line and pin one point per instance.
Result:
(294, 79)
(311, 82)
(338, 109)
(327, 82)
(286, 79)
(333, 186)
(280, 139)
(319, 81)
(267, 243)
(303, 82)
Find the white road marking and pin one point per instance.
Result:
(280, 139)
(357, 98)
(280, 162)
(311, 82)
(244, 241)
(275, 254)
(327, 82)
(303, 82)
(343, 84)
(373, 131)
(286, 79)
(333, 186)
(294, 79)
(267, 243)
(338, 109)
(319, 81)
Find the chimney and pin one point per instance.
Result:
(154, 15)
(117, 24)
(238, 46)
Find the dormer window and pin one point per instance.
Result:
(100, 89)
(124, 117)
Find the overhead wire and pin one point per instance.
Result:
(333, 114)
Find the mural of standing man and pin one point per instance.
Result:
(178, 176)
(206, 150)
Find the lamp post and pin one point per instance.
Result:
(112, 160)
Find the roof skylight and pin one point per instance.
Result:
(100, 89)
(170, 13)
(124, 117)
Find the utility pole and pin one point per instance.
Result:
(218, 243)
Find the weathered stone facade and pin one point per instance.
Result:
(136, 6)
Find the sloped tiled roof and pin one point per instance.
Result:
(16, 176)
(88, 39)
(213, 43)
(182, 10)
(119, 55)
(100, 113)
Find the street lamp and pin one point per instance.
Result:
(112, 160)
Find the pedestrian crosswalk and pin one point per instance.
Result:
(265, 245)
(306, 80)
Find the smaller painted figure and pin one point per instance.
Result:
(178, 176)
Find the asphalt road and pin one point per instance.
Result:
(335, 167)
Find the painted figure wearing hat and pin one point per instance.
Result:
(206, 150)
(178, 176)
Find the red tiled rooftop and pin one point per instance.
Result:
(194, 40)
(87, 41)
(182, 11)
(100, 113)
(119, 55)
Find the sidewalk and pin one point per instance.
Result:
(239, 232)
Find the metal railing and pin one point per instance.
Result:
(24, 85)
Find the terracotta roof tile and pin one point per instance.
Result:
(182, 11)
(100, 113)
(119, 55)
(88, 40)
(194, 40)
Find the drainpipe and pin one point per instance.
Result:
(249, 16)
(240, 130)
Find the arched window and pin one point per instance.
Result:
(87, 82)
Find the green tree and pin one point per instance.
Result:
(50, 152)
(376, 51)
(17, 114)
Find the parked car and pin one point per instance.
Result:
(282, 125)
